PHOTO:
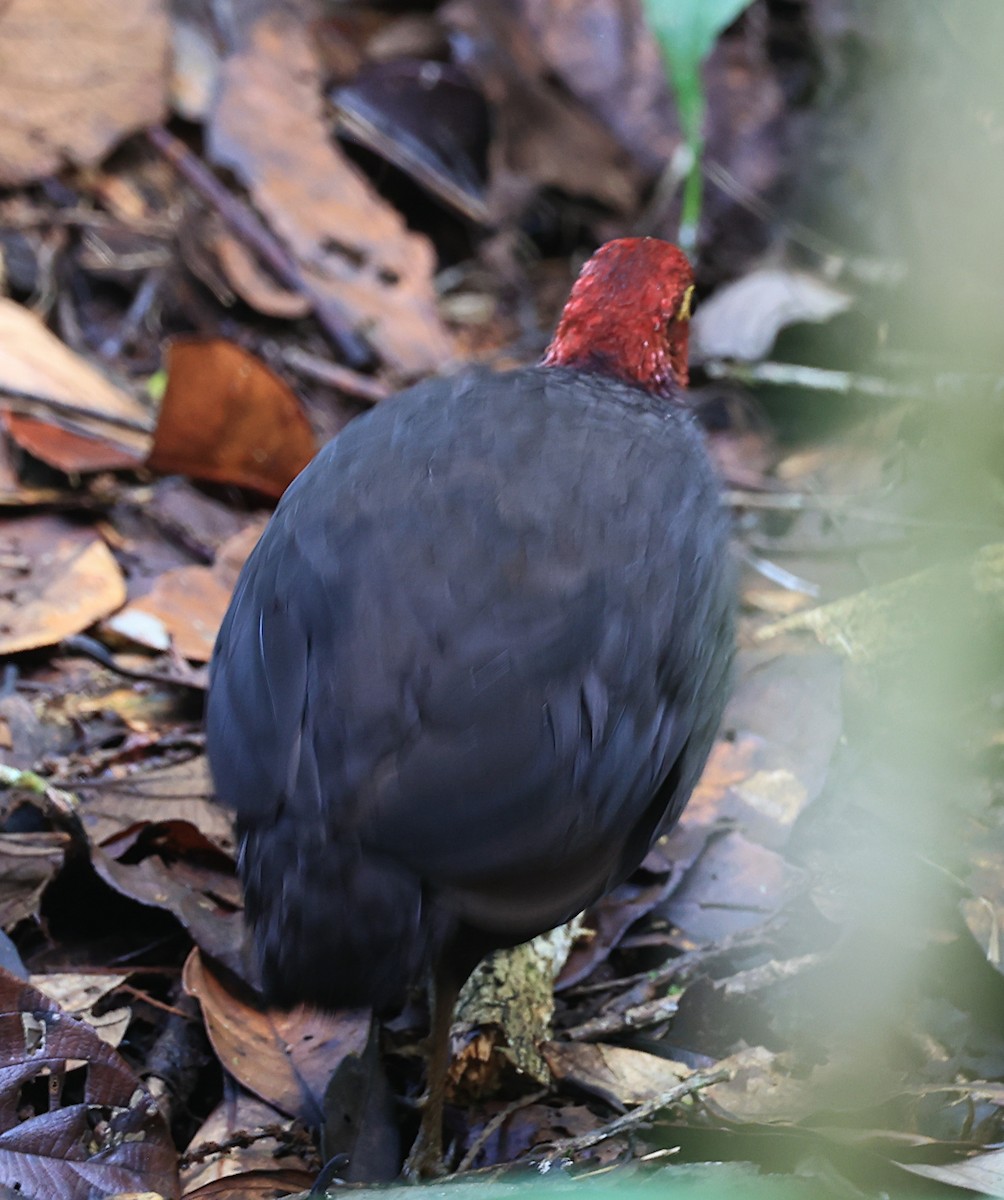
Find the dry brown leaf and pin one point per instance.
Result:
(173, 866)
(35, 361)
(353, 249)
(253, 284)
(180, 792)
(27, 863)
(616, 1073)
(605, 54)
(286, 1058)
(185, 606)
(72, 453)
(79, 994)
(56, 579)
(105, 1138)
(227, 418)
(75, 77)
(542, 138)
(189, 604)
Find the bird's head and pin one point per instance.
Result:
(628, 316)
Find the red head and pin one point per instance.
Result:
(628, 316)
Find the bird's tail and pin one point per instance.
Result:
(334, 925)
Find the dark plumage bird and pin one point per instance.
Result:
(476, 663)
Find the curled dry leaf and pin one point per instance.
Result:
(742, 320)
(35, 362)
(67, 451)
(353, 250)
(185, 606)
(75, 77)
(229, 419)
(286, 1058)
(173, 866)
(56, 579)
(74, 1119)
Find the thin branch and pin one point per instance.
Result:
(637, 1116)
(247, 226)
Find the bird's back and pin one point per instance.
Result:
(474, 665)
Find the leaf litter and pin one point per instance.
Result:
(822, 926)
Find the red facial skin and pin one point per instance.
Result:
(628, 316)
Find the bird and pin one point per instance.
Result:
(476, 663)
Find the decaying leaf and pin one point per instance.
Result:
(286, 1058)
(229, 419)
(173, 866)
(57, 579)
(110, 1137)
(505, 1009)
(351, 246)
(75, 77)
(186, 605)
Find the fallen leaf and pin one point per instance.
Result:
(734, 885)
(286, 1058)
(604, 52)
(180, 792)
(173, 866)
(982, 1173)
(541, 137)
(354, 251)
(35, 362)
(617, 1074)
(56, 579)
(112, 1139)
(264, 1158)
(69, 452)
(78, 994)
(227, 418)
(185, 606)
(75, 77)
(741, 320)
(28, 861)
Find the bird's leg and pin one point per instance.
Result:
(425, 1159)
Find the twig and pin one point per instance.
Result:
(250, 229)
(777, 574)
(630, 1120)
(365, 387)
(820, 379)
(496, 1123)
(637, 1017)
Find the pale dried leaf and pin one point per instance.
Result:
(75, 77)
(351, 246)
(61, 580)
(742, 320)
(35, 361)
(618, 1074)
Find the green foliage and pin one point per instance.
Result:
(686, 31)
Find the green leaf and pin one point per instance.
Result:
(686, 31)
